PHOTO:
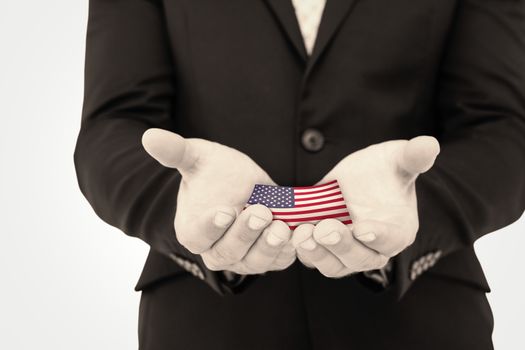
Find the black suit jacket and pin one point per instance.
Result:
(236, 72)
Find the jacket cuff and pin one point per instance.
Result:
(382, 278)
(222, 282)
(439, 232)
(235, 283)
(410, 266)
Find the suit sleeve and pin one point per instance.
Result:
(128, 89)
(478, 182)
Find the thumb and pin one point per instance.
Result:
(169, 149)
(418, 155)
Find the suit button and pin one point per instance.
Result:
(312, 140)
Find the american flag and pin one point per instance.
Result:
(299, 205)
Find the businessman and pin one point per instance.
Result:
(417, 109)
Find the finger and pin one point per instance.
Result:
(202, 232)
(285, 258)
(418, 155)
(241, 235)
(337, 238)
(305, 262)
(240, 269)
(268, 246)
(321, 258)
(301, 234)
(386, 238)
(317, 255)
(304, 236)
(169, 149)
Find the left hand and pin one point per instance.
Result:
(378, 185)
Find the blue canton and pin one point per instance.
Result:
(273, 196)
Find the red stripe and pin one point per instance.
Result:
(317, 217)
(319, 203)
(307, 187)
(309, 211)
(318, 197)
(316, 191)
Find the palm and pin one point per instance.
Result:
(222, 176)
(209, 218)
(373, 185)
(378, 184)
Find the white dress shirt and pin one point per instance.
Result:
(309, 13)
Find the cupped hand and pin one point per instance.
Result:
(378, 184)
(209, 219)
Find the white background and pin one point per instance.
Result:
(66, 278)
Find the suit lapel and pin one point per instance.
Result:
(334, 13)
(285, 14)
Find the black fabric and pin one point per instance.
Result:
(232, 71)
(298, 309)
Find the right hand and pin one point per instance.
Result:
(217, 181)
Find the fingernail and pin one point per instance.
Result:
(367, 237)
(331, 238)
(256, 223)
(222, 219)
(309, 244)
(273, 240)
